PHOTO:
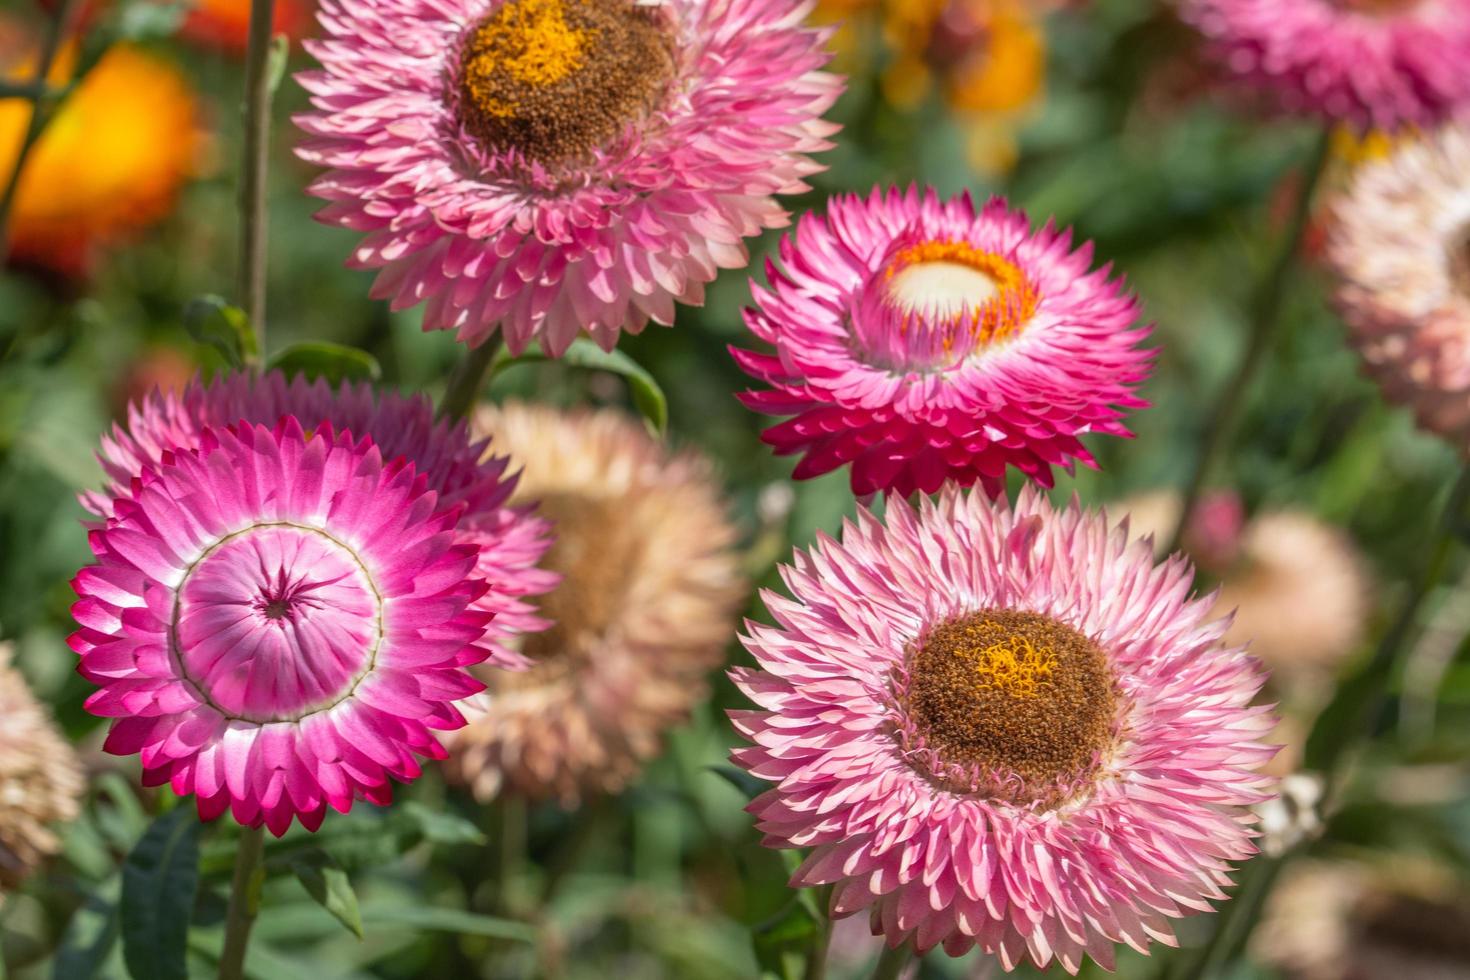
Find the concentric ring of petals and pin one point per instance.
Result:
(579, 230)
(1144, 832)
(278, 622)
(1400, 246)
(649, 599)
(1374, 64)
(461, 471)
(921, 340)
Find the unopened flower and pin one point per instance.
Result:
(111, 161)
(550, 166)
(279, 621)
(651, 585)
(1383, 64)
(921, 340)
(40, 779)
(1401, 249)
(1003, 727)
(464, 477)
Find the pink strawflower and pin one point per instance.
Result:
(465, 478)
(278, 621)
(1374, 64)
(1004, 728)
(921, 341)
(550, 166)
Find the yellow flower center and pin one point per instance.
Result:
(1022, 700)
(555, 79)
(972, 297)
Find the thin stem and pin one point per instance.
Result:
(244, 903)
(1265, 325)
(41, 110)
(254, 168)
(464, 384)
(816, 961)
(893, 962)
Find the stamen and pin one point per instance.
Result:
(557, 78)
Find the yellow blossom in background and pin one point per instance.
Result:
(985, 58)
(110, 161)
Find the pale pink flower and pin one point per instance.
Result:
(460, 471)
(550, 166)
(1400, 246)
(279, 621)
(921, 340)
(1004, 728)
(1375, 64)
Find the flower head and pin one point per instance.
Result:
(278, 621)
(651, 585)
(1401, 250)
(1003, 727)
(460, 472)
(550, 166)
(921, 341)
(110, 162)
(40, 778)
(1382, 64)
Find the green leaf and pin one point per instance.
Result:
(433, 919)
(747, 784)
(446, 829)
(326, 882)
(90, 936)
(275, 64)
(648, 397)
(160, 878)
(212, 321)
(334, 362)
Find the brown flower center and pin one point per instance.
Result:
(557, 78)
(1011, 703)
(596, 553)
(1377, 7)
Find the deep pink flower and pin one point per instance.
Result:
(462, 474)
(921, 341)
(1004, 728)
(1375, 64)
(278, 621)
(550, 166)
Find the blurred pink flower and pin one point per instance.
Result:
(1004, 728)
(1381, 64)
(278, 621)
(922, 340)
(1400, 246)
(460, 471)
(551, 166)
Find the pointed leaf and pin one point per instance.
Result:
(160, 878)
(90, 936)
(212, 321)
(326, 882)
(648, 397)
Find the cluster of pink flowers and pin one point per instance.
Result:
(993, 725)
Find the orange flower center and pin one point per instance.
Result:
(971, 297)
(1023, 700)
(555, 79)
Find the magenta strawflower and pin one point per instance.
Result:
(551, 166)
(921, 340)
(1374, 64)
(278, 622)
(1004, 728)
(511, 540)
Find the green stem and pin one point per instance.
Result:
(1265, 325)
(816, 961)
(254, 169)
(892, 963)
(41, 111)
(464, 384)
(244, 903)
